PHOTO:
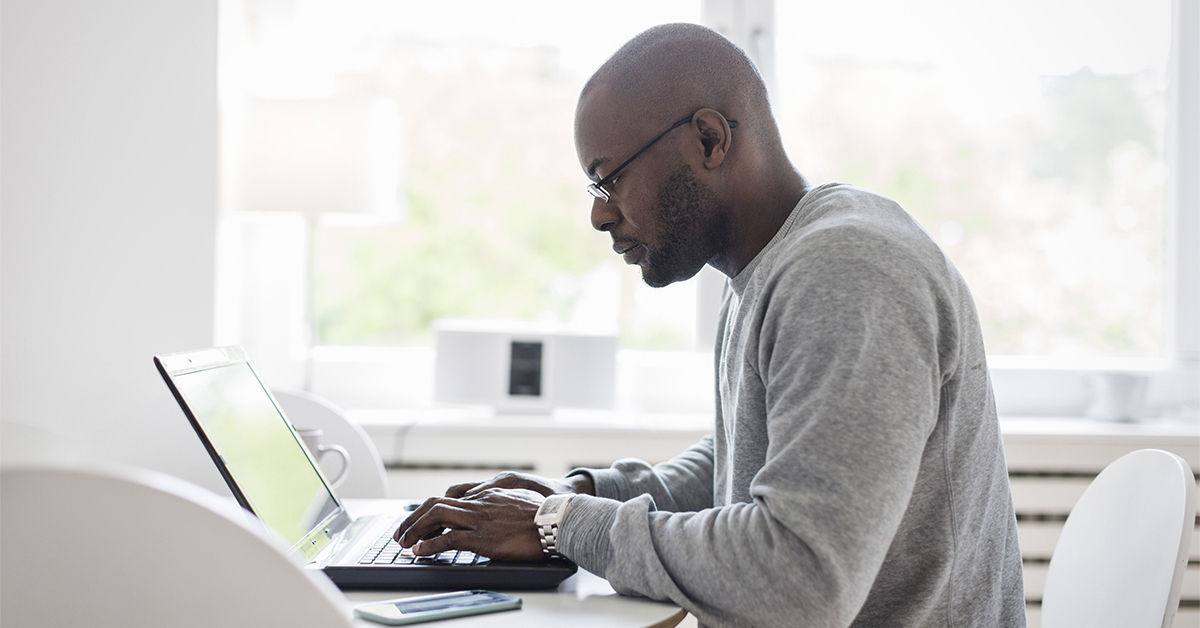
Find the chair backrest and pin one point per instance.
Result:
(1121, 555)
(367, 478)
(133, 547)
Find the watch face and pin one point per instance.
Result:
(551, 508)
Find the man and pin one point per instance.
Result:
(855, 474)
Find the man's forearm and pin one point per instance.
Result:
(684, 483)
(582, 484)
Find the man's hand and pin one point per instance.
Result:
(492, 522)
(575, 484)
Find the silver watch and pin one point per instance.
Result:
(547, 518)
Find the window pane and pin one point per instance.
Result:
(494, 213)
(1027, 137)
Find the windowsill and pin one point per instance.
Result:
(474, 437)
(482, 442)
(610, 421)
(486, 418)
(1076, 427)
(668, 387)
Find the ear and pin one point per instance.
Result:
(715, 136)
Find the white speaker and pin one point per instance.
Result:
(523, 367)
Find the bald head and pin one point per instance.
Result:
(672, 70)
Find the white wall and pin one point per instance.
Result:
(108, 138)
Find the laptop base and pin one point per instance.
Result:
(495, 576)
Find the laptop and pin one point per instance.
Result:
(274, 476)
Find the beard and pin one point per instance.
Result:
(693, 230)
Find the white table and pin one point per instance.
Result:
(584, 600)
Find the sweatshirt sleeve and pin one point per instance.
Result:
(684, 483)
(844, 360)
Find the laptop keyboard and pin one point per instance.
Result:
(386, 551)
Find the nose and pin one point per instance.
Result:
(605, 216)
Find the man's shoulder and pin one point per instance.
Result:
(841, 210)
(844, 195)
(841, 225)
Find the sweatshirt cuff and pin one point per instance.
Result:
(583, 534)
(607, 482)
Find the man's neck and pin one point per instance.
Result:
(757, 221)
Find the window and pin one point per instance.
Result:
(1036, 151)
(1032, 150)
(494, 219)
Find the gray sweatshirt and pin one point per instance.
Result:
(855, 475)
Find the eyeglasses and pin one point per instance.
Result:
(597, 189)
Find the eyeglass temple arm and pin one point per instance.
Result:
(732, 124)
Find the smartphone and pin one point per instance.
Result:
(412, 610)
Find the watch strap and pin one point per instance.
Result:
(548, 516)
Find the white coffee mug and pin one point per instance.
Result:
(312, 440)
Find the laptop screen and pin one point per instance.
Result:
(258, 448)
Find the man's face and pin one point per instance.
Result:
(660, 215)
(686, 233)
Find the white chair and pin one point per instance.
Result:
(1120, 558)
(133, 547)
(367, 478)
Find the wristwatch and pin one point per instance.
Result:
(547, 518)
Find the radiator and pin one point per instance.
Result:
(1048, 473)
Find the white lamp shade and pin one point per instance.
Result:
(318, 156)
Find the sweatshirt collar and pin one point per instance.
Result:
(738, 282)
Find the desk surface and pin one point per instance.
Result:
(583, 600)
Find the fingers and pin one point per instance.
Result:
(496, 523)
(452, 540)
(458, 490)
(459, 493)
(509, 480)
(436, 514)
(423, 510)
(506, 479)
(416, 514)
(512, 479)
